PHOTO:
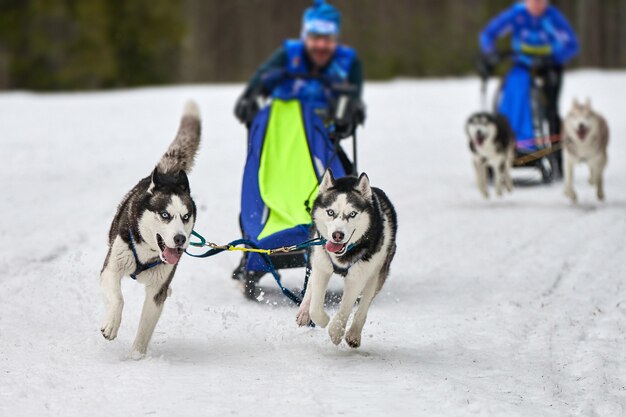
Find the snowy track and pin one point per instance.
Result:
(507, 308)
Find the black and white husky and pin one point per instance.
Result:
(493, 146)
(359, 225)
(585, 139)
(150, 232)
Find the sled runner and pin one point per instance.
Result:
(289, 149)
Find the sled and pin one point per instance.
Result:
(521, 94)
(289, 149)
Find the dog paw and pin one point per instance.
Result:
(353, 338)
(485, 194)
(110, 326)
(303, 317)
(320, 318)
(571, 194)
(137, 355)
(336, 331)
(601, 195)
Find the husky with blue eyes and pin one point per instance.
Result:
(150, 232)
(359, 225)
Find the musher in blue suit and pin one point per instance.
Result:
(306, 68)
(542, 43)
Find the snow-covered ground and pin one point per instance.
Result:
(514, 307)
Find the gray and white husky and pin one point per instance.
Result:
(359, 225)
(585, 139)
(492, 144)
(150, 232)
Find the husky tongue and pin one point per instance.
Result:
(171, 256)
(334, 247)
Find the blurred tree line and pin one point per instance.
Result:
(88, 44)
(76, 44)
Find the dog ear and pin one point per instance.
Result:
(328, 181)
(588, 103)
(363, 186)
(155, 180)
(182, 181)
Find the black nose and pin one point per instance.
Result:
(338, 236)
(179, 240)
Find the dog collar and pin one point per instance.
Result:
(141, 267)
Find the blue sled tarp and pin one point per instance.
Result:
(288, 152)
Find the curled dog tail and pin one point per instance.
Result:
(181, 154)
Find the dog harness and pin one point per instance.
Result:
(141, 267)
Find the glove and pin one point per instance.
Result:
(246, 109)
(353, 116)
(359, 112)
(486, 63)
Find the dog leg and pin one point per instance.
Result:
(354, 284)
(592, 180)
(498, 178)
(568, 162)
(150, 315)
(596, 167)
(508, 180)
(353, 336)
(303, 317)
(110, 284)
(317, 287)
(481, 176)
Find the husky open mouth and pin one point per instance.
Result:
(582, 131)
(168, 255)
(336, 248)
(480, 137)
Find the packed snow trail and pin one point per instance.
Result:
(511, 307)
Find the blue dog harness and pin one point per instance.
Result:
(141, 267)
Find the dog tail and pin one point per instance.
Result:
(182, 152)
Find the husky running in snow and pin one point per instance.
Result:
(585, 139)
(359, 225)
(150, 232)
(493, 146)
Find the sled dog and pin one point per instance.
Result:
(585, 139)
(150, 232)
(359, 224)
(492, 145)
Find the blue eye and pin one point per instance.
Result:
(165, 215)
(186, 217)
(330, 212)
(353, 214)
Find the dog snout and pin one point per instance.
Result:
(338, 236)
(179, 240)
(480, 137)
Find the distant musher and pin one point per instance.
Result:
(542, 43)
